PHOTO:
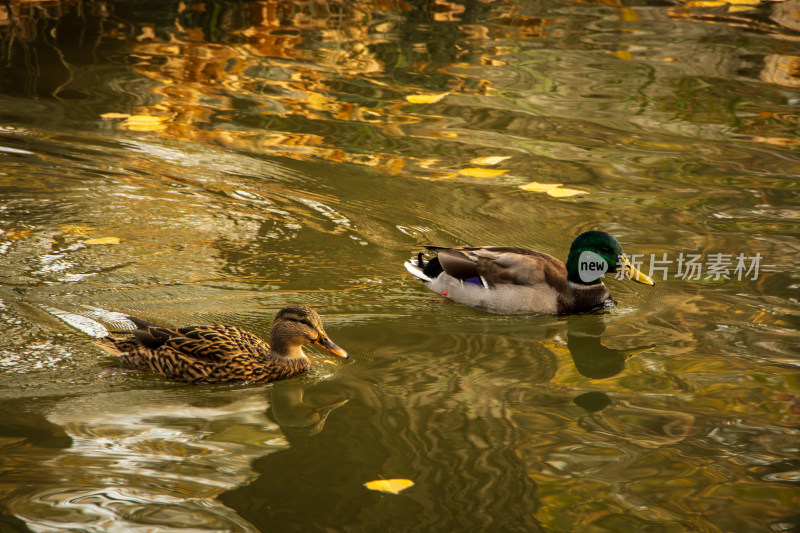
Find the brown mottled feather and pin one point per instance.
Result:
(218, 353)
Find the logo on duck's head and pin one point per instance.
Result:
(591, 266)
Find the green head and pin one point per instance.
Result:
(593, 254)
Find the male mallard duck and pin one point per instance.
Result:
(218, 354)
(515, 280)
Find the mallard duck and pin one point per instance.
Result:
(218, 354)
(511, 280)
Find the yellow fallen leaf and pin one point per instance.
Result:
(144, 123)
(536, 186)
(450, 134)
(392, 486)
(75, 229)
(16, 234)
(475, 172)
(102, 240)
(628, 14)
(561, 193)
(425, 98)
(707, 3)
(110, 116)
(490, 160)
(553, 189)
(734, 9)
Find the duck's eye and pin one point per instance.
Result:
(306, 322)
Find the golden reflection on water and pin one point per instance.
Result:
(175, 457)
(248, 155)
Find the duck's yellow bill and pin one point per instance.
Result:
(635, 275)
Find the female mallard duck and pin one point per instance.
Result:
(515, 280)
(218, 354)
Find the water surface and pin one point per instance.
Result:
(244, 156)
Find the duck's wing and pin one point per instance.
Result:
(501, 265)
(212, 343)
(208, 343)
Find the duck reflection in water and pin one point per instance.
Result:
(467, 471)
(300, 409)
(646, 426)
(591, 357)
(594, 360)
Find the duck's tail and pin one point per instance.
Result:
(79, 320)
(417, 268)
(424, 270)
(108, 345)
(129, 351)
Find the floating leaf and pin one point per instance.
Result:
(553, 189)
(562, 193)
(392, 486)
(102, 240)
(490, 160)
(734, 9)
(75, 229)
(450, 134)
(536, 186)
(482, 172)
(144, 123)
(425, 98)
(109, 116)
(17, 234)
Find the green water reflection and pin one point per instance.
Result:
(247, 155)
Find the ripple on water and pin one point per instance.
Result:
(292, 168)
(137, 463)
(122, 509)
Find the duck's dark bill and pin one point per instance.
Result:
(634, 274)
(328, 345)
